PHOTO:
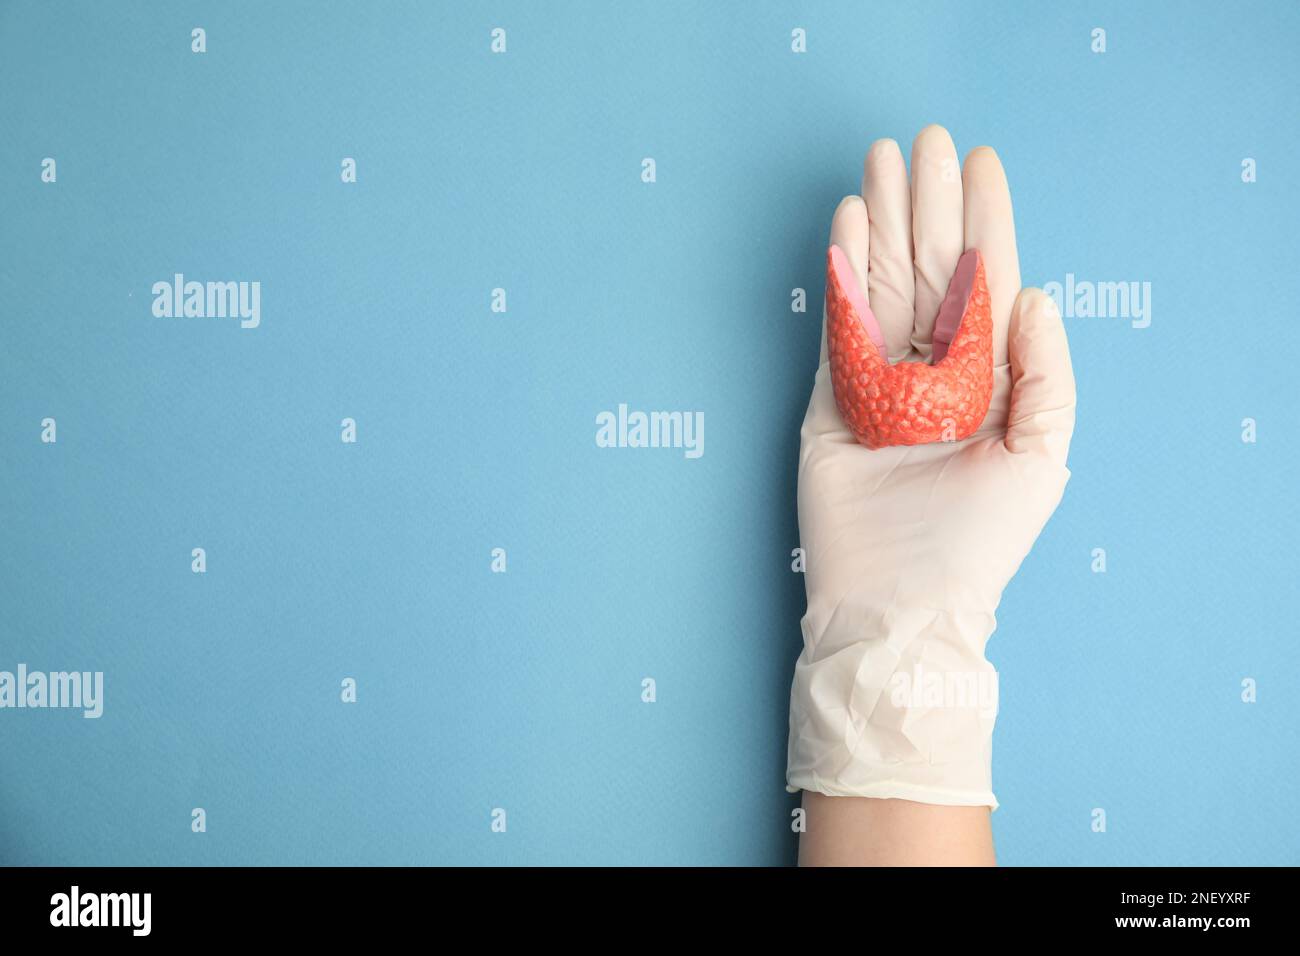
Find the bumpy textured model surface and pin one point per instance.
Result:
(911, 403)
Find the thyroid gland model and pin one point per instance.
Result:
(911, 403)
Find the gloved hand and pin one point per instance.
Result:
(909, 548)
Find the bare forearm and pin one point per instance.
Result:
(859, 831)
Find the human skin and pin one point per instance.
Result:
(903, 240)
(859, 831)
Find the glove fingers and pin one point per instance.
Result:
(937, 227)
(851, 231)
(1041, 420)
(991, 228)
(890, 277)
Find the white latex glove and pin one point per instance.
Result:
(908, 549)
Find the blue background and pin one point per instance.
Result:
(476, 430)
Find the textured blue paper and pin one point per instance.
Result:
(1120, 691)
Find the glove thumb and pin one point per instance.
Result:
(1041, 419)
